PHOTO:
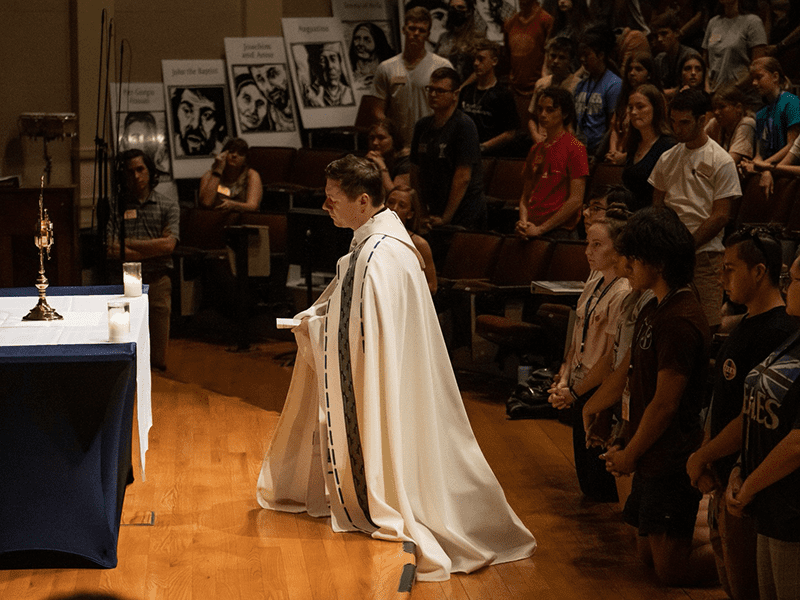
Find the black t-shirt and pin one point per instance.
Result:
(667, 67)
(674, 335)
(400, 165)
(748, 344)
(635, 175)
(493, 110)
(437, 153)
(770, 413)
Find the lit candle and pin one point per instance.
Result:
(132, 279)
(133, 285)
(119, 321)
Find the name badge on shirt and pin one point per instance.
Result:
(224, 190)
(396, 84)
(705, 170)
(129, 214)
(626, 403)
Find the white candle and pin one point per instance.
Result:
(133, 285)
(119, 321)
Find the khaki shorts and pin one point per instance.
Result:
(709, 285)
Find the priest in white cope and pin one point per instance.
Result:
(373, 432)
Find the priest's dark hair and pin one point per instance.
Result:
(657, 237)
(356, 176)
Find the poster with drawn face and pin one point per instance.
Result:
(198, 113)
(140, 121)
(369, 37)
(492, 13)
(368, 46)
(323, 79)
(495, 13)
(260, 86)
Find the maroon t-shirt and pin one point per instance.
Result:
(525, 39)
(671, 335)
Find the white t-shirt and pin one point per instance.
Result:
(741, 141)
(404, 91)
(693, 180)
(795, 149)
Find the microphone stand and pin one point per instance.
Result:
(102, 207)
(119, 172)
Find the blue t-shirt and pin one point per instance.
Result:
(774, 120)
(594, 105)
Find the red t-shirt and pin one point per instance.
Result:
(525, 41)
(551, 168)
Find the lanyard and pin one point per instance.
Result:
(590, 309)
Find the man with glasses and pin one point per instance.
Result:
(698, 179)
(751, 271)
(446, 158)
(400, 81)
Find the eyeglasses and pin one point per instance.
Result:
(595, 208)
(435, 91)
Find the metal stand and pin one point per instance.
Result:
(44, 241)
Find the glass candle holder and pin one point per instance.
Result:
(119, 320)
(132, 279)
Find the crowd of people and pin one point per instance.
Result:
(689, 100)
(642, 401)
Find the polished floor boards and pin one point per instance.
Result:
(194, 531)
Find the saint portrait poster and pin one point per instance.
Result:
(140, 121)
(490, 16)
(198, 113)
(264, 107)
(369, 37)
(323, 80)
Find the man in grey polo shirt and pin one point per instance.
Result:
(151, 233)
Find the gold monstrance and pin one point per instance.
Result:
(44, 241)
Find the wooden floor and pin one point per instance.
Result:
(213, 414)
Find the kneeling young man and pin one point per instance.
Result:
(668, 361)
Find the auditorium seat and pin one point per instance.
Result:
(273, 163)
(503, 194)
(755, 208)
(541, 334)
(304, 184)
